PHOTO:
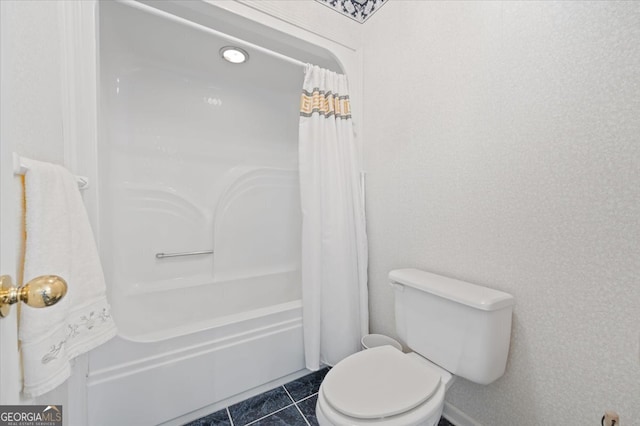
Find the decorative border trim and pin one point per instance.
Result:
(358, 10)
(326, 104)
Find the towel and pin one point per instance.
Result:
(59, 241)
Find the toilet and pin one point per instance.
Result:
(453, 328)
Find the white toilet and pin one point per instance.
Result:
(453, 326)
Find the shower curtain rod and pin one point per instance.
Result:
(208, 30)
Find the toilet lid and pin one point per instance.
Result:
(378, 382)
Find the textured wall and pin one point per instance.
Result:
(503, 147)
(31, 93)
(31, 79)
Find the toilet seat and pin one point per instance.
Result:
(377, 383)
(426, 413)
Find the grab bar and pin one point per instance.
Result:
(185, 253)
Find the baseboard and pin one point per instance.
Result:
(457, 417)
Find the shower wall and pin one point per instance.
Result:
(194, 154)
(197, 154)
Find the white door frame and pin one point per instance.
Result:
(78, 37)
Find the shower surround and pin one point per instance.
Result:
(197, 157)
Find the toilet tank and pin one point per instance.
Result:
(462, 327)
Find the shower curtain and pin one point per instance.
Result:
(334, 242)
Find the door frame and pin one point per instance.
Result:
(78, 25)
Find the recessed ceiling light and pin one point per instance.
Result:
(235, 55)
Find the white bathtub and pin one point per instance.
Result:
(147, 383)
(195, 154)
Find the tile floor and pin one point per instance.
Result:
(293, 404)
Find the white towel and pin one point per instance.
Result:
(59, 241)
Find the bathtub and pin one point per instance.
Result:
(149, 383)
(195, 155)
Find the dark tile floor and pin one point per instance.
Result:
(293, 404)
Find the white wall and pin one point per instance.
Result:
(502, 144)
(32, 121)
(32, 118)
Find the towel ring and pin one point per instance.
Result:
(40, 292)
